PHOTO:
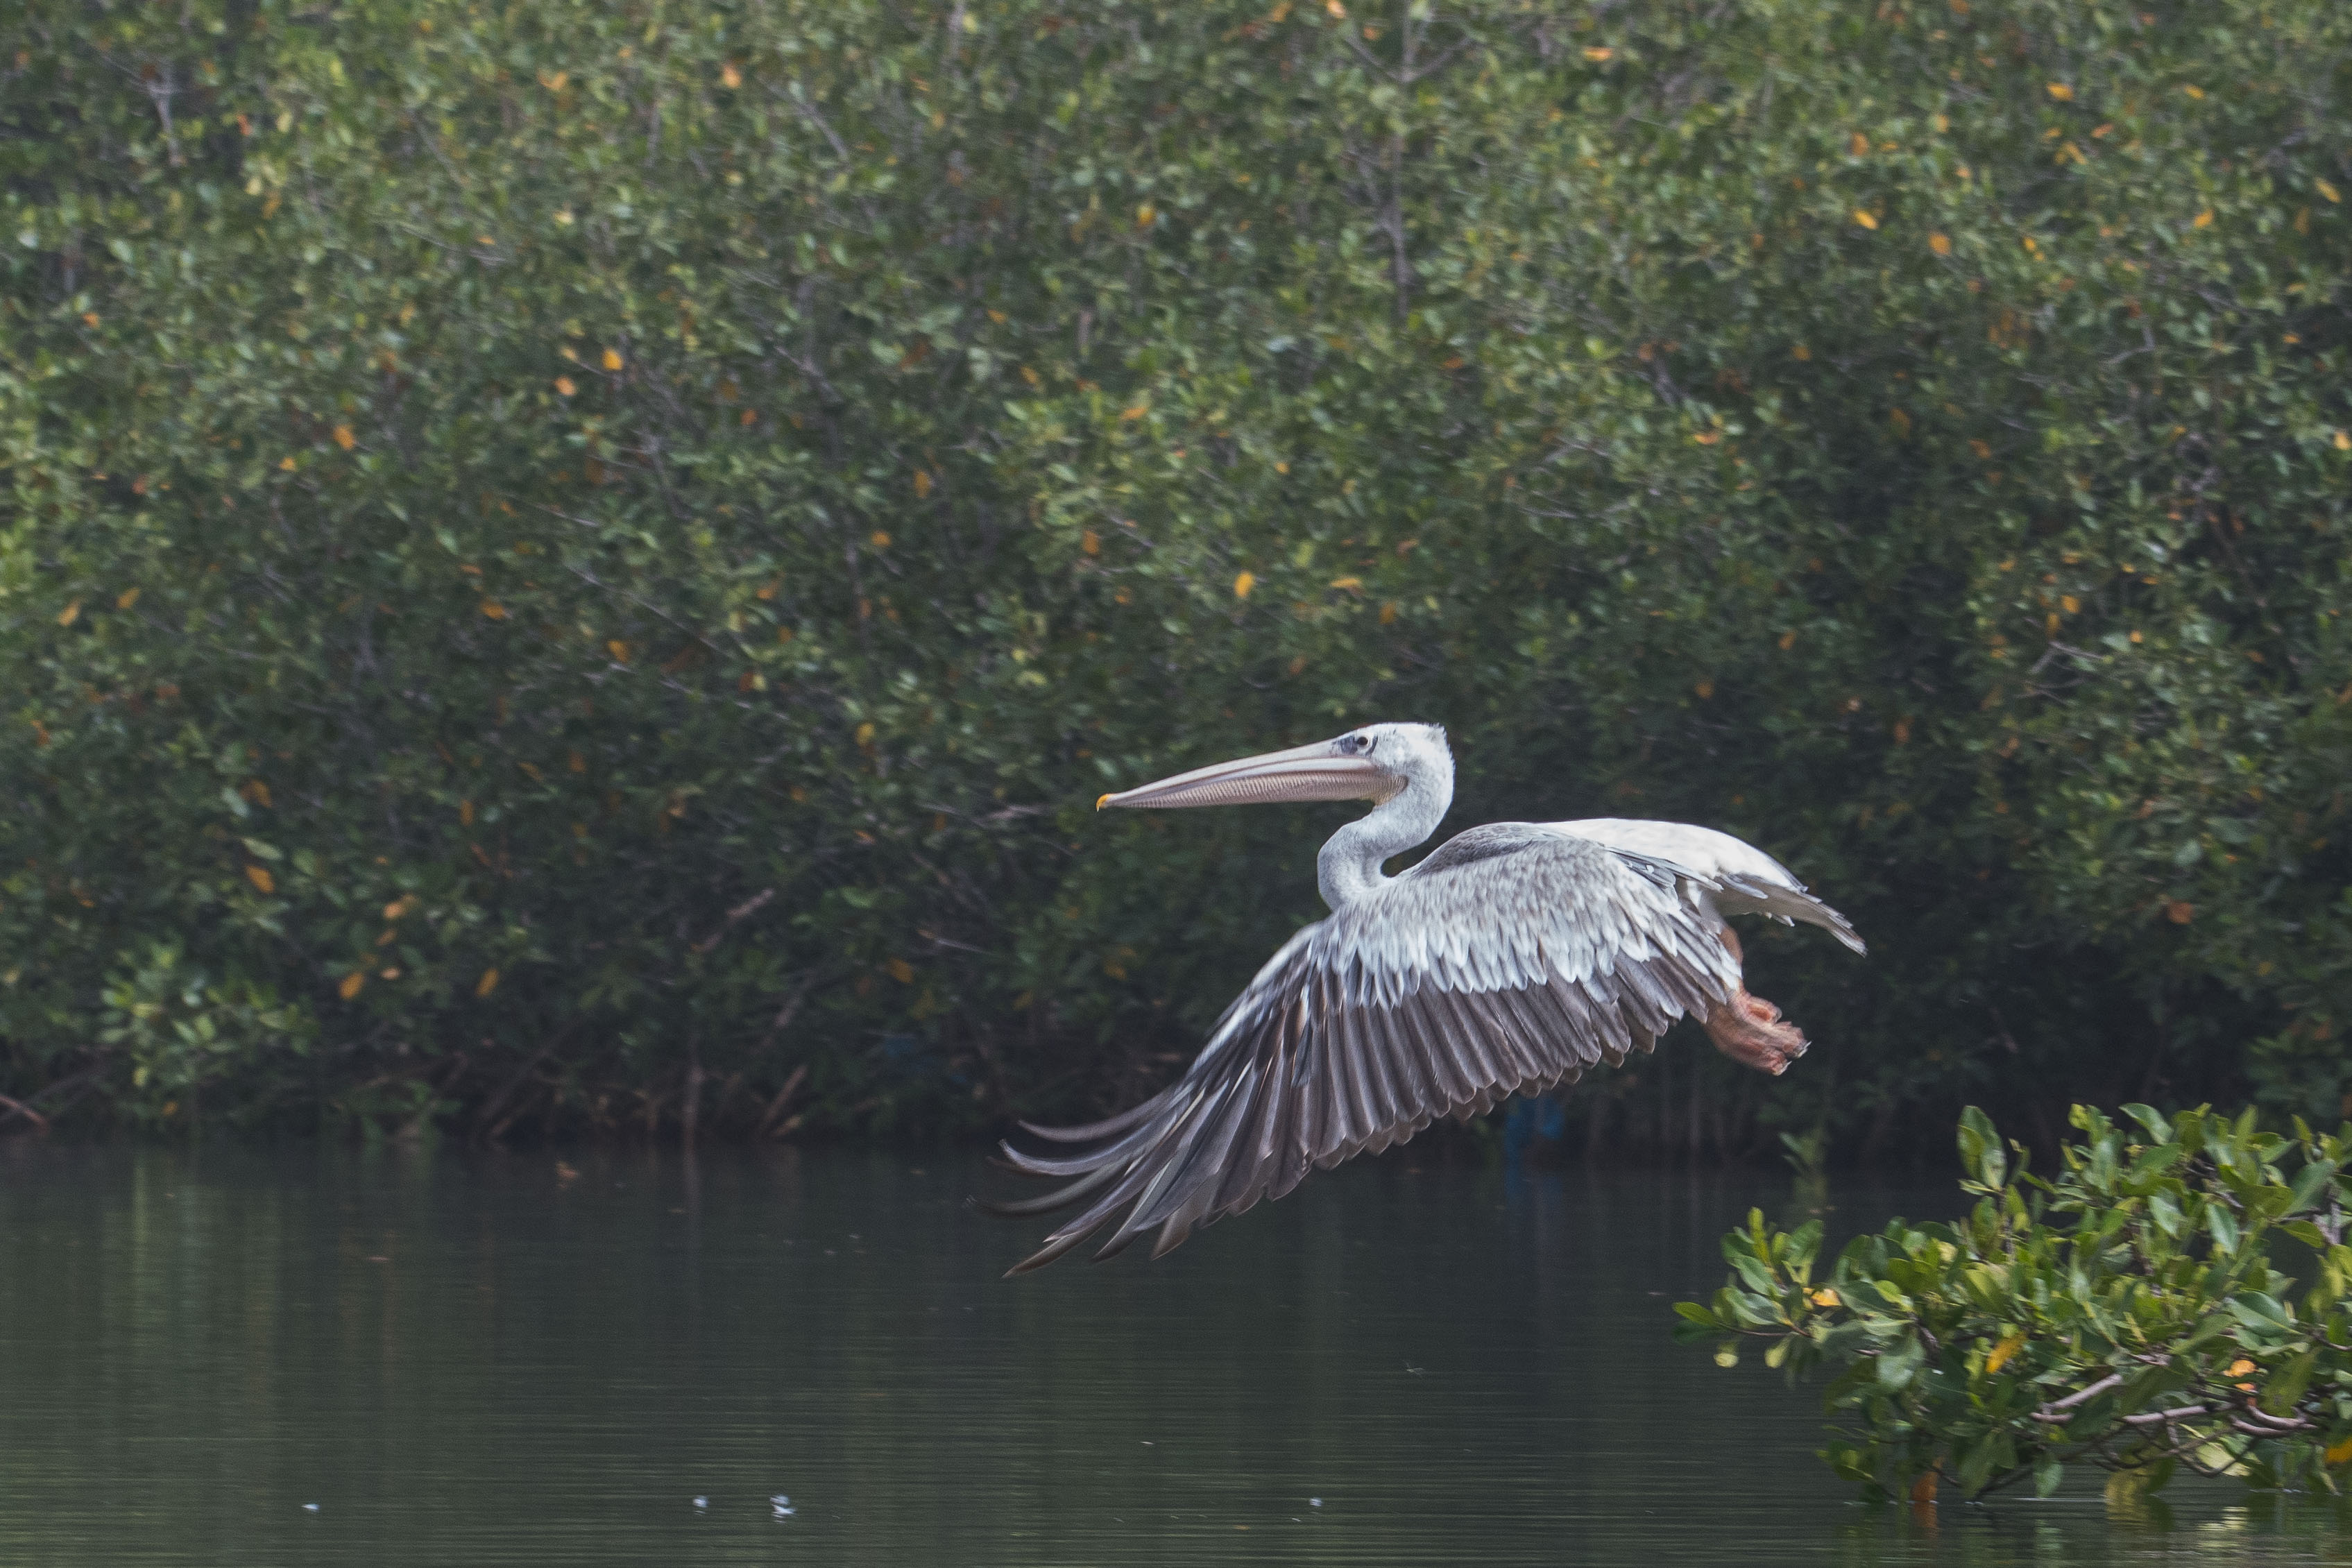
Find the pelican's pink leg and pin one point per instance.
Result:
(1749, 1030)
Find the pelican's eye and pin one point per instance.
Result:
(1354, 745)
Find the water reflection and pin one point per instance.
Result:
(523, 1358)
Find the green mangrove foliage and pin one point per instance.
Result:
(2125, 1313)
(578, 563)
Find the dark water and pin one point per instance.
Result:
(471, 1359)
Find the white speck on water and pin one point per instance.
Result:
(310, 1507)
(783, 1505)
(702, 1502)
(1314, 1502)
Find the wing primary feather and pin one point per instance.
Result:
(1448, 1038)
(1476, 1039)
(1104, 1129)
(1586, 1039)
(1424, 1040)
(1538, 1054)
(1382, 1096)
(1204, 1157)
(1060, 1197)
(1407, 1059)
(1351, 1116)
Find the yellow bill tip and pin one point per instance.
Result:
(1098, 801)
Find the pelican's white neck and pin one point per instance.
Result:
(1350, 865)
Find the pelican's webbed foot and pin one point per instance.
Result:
(1750, 1030)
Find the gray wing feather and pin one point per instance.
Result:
(1514, 957)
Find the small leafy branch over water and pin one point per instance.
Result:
(2124, 1314)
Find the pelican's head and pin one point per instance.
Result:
(1375, 762)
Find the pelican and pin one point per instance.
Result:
(1511, 959)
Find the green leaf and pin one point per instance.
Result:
(2285, 1386)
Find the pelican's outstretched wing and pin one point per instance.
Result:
(1514, 957)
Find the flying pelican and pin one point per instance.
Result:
(1511, 959)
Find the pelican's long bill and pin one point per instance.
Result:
(1317, 771)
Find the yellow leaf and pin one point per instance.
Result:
(1243, 584)
(130, 597)
(2330, 191)
(564, 385)
(1388, 613)
(351, 986)
(487, 984)
(1090, 542)
(70, 614)
(2001, 1353)
(1707, 437)
(1865, 219)
(2068, 602)
(2062, 92)
(729, 76)
(261, 878)
(922, 483)
(619, 650)
(1800, 353)
(466, 813)
(2180, 912)
(1788, 641)
(1941, 244)
(258, 793)
(1859, 144)
(902, 971)
(493, 609)
(344, 438)
(1137, 411)
(1336, 8)
(287, 464)
(2336, 1453)
(1900, 420)
(865, 734)
(1705, 689)
(2193, 92)
(1597, 53)
(1825, 1297)
(400, 907)
(2342, 442)
(2203, 220)
(1146, 216)
(1353, 584)
(612, 359)
(576, 763)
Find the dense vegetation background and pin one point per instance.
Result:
(577, 564)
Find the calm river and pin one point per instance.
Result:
(503, 1359)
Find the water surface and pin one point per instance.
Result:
(546, 1358)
